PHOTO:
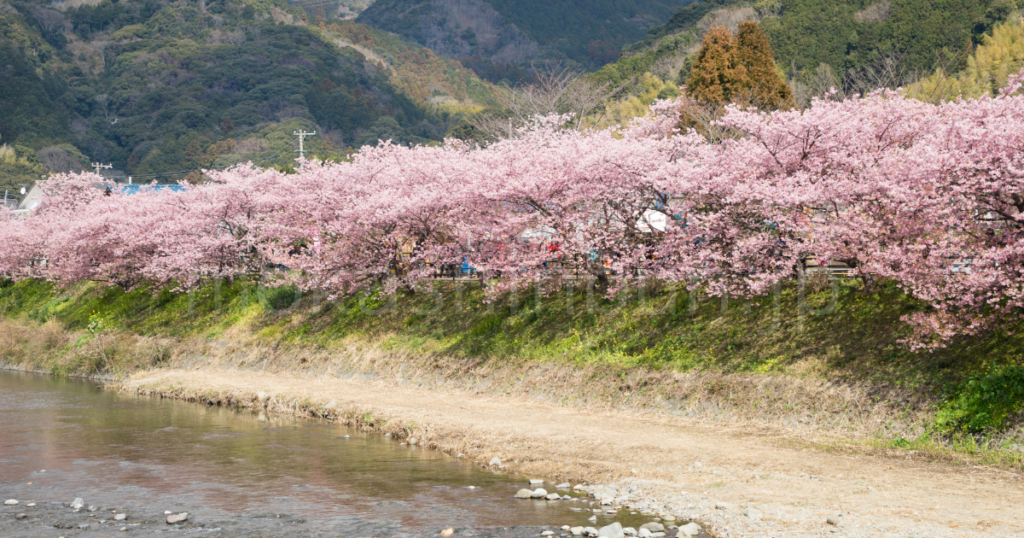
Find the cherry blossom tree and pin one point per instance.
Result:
(929, 197)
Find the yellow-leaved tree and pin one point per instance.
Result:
(999, 56)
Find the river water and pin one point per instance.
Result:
(237, 473)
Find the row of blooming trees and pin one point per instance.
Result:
(928, 196)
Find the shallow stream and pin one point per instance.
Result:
(236, 473)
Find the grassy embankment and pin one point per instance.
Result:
(834, 363)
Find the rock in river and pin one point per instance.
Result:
(77, 504)
(539, 493)
(536, 482)
(524, 494)
(611, 531)
(10, 502)
(177, 518)
(553, 497)
(120, 517)
(653, 527)
(495, 462)
(688, 530)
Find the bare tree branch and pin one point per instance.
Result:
(553, 91)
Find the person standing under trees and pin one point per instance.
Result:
(731, 69)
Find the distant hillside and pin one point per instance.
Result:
(497, 36)
(846, 35)
(416, 70)
(160, 89)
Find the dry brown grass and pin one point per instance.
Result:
(49, 347)
(793, 403)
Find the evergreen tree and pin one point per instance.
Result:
(762, 86)
(738, 69)
(194, 154)
(714, 75)
(133, 162)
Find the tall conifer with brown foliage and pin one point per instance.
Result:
(738, 69)
(763, 87)
(715, 73)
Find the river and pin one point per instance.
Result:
(236, 473)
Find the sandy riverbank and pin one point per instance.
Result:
(689, 468)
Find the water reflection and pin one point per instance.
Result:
(220, 464)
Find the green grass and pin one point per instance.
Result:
(853, 334)
(843, 333)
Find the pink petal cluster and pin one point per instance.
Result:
(928, 196)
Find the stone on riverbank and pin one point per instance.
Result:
(611, 531)
(120, 517)
(20, 516)
(752, 513)
(177, 518)
(834, 520)
(689, 530)
(576, 531)
(495, 462)
(77, 504)
(524, 494)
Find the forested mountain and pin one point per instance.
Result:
(161, 88)
(498, 38)
(825, 38)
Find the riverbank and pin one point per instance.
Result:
(735, 480)
(774, 400)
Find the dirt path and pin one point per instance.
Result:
(677, 466)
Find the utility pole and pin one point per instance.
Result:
(97, 166)
(302, 136)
